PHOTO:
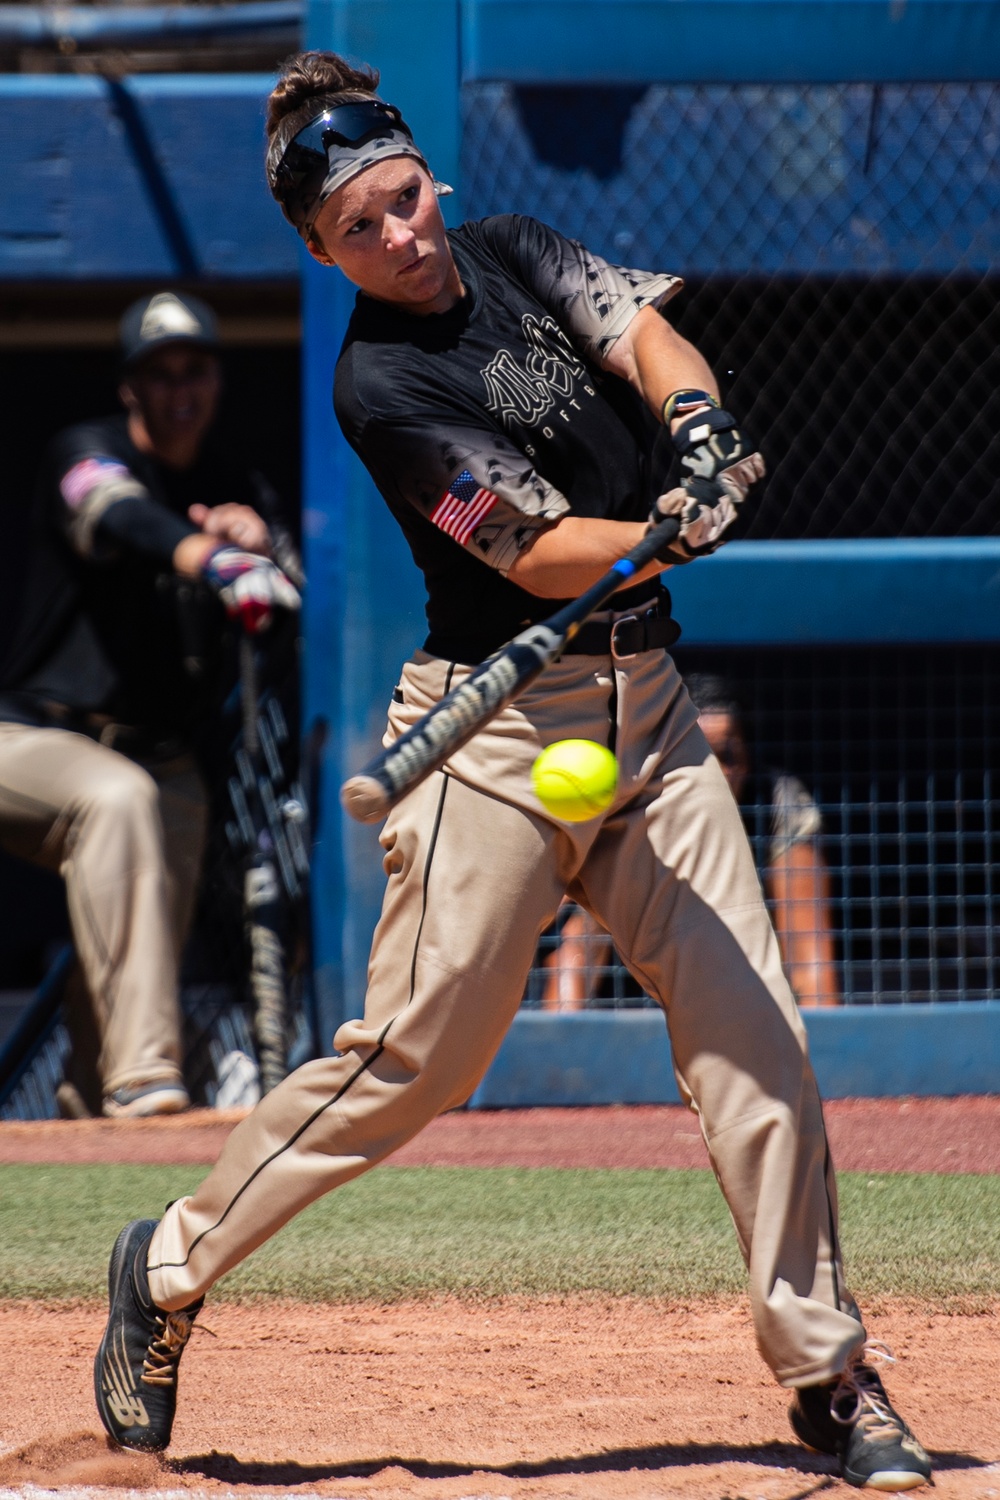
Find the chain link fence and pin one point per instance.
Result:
(898, 752)
(841, 251)
(841, 248)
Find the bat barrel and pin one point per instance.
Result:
(365, 798)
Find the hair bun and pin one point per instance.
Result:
(307, 75)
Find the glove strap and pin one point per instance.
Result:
(697, 429)
(227, 563)
(683, 403)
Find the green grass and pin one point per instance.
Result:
(426, 1231)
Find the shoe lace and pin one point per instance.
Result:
(861, 1385)
(173, 1329)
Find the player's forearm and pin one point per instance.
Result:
(566, 558)
(657, 361)
(140, 526)
(798, 883)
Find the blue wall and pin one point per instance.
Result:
(153, 177)
(838, 592)
(623, 1057)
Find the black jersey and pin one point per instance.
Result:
(107, 627)
(482, 424)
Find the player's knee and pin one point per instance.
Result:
(130, 796)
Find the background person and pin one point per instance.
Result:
(517, 400)
(794, 873)
(141, 528)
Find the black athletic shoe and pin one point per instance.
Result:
(852, 1418)
(135, 1371)
(140, 1101)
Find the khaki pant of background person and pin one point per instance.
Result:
(128, 842)
(475, 871)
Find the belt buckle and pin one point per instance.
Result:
(622, 655)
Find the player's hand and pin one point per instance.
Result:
(719, 467)
(250, 587)
(238, 524)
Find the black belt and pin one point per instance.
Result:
(646, 627)
(649, 629)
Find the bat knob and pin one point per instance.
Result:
(365, 798)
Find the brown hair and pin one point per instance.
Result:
(310, 80)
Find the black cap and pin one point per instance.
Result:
(166, 318)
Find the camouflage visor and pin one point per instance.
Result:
(337, 145)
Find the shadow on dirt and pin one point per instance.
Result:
(231, 1470)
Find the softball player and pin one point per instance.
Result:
(517, 400)
(115, 667)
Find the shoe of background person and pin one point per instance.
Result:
(137, 1101)
(852, 1418)
(135, 1370)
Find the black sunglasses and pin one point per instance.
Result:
(307, 154)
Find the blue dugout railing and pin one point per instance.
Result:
(147, 25)
(366, 616)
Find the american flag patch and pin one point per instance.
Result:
(462, 507)
(78, 482)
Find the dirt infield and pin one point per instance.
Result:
(573, 1399)
(866, 1135)
(542, 1400)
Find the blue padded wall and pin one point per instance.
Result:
(96, 176)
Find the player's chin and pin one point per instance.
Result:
(421, 283)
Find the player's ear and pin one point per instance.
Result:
(127, 396)
(318, 251)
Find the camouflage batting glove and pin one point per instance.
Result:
(718, 468)
(250, 587)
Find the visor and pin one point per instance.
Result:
(334, 147)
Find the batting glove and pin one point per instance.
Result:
(250, 587)
(718, 468)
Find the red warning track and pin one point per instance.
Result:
(866, 1135)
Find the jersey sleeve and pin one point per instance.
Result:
(592, 299)
(104, 508)
(472, 484)
(795, 817)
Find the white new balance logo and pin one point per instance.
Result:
(124, 1403)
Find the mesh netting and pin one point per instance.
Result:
(841, 246)
(898, 751)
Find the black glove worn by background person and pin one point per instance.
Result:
(719, 467)
(250, 587)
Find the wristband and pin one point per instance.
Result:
(682, 403)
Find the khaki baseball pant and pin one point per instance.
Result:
(128, 843)
(475, 872)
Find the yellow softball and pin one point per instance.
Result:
(575, 779)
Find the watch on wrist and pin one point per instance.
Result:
(682, 403)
